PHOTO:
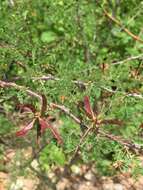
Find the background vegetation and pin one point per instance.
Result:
(84, 48)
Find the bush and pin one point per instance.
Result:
(78, 56)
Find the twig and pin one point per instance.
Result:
(46, 78)
(4, 84)
(79, 145)
(123, 142)
(84, 84)
(66, 111)
(51, 77)
(135, 37)
(128, 59)
(67, 167)
(135, 95)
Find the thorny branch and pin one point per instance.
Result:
(68, 112)
(118, 139)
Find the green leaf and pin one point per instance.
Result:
(48, 37)
(57, 156)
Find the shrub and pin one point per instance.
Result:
(85, 58)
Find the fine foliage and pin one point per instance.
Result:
(73, 70)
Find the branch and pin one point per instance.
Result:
(123, 142)
(4, 84)
(84, 84)
(71, 115)
(135, 37)
(46, 78)
(66, 111)
(135, 95)
(79, 145)
(128, 59)
(80, 84)
(117, 139)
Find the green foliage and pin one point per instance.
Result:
(48, 37)
(7, 126)
(50, 155)
(74, 40)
